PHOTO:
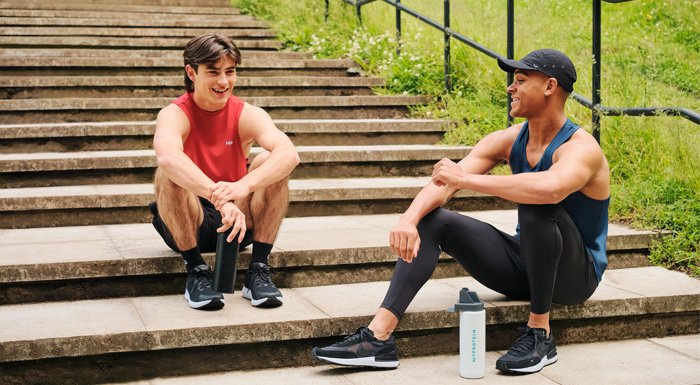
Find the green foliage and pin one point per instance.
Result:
(651, 50)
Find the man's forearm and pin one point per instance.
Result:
(183, 172)
(526, 188)
(427, 200)
(277, 166)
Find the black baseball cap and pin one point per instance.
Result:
(550, 62)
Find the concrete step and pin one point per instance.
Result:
(137, 166)
(177, 43)
(71, 137)
(142, 337)
(54, 87)
(85, 262)
(233, 33)
(134, 9)
(121, 14)
(126, 203)
(157, 3)
(626, 362)
(154, 4)
(147, 20)
(66, 110)
(141, 53)
(167, 62)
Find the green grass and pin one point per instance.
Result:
(651, 51)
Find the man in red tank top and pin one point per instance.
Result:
(202, 184)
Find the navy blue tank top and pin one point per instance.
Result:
(589, 215)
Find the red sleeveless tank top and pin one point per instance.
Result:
(213, 143)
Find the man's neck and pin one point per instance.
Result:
(202, 103)
(542, 129)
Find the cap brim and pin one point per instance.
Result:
(510, 65)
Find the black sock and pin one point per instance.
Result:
(193, 258)
(261, 252)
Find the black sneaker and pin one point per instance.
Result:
(199, 292)
(258, 286)
(360, 349)
(530, 353)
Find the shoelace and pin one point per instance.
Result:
(262, 277)
(525, 342)
(203, 278)
(359, 335)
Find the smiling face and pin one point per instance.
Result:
(213, 83)
(529, 91)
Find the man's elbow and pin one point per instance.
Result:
(294, 158)
(554, 194)
(165, 161)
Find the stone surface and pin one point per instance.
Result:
(622, 362)
(72, 252)
(149, 42)
(232, 21)
(223, 10)
(688, 345)
(290, 126)
(175, 62)
(162, 322)
(158, 103)
(52, 161)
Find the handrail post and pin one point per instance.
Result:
(510, 53)
(595, 119)
(398, 28)
(448, 83)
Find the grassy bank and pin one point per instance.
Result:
(650, 52)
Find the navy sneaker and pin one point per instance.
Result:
(258, 286)
(360, 349)
(531, 352)
(199, 292)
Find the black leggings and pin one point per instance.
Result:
(547, 264)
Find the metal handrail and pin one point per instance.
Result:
(597, 109)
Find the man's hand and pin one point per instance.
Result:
(222, 192)
(404, 240)
(447, 173)
(232, 216)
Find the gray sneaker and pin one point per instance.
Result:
(258, 287)
(199, 292)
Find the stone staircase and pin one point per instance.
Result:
(90, 294)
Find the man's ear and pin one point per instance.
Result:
(552, 85)
(190, 72)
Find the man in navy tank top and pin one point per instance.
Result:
(560, 181)
(203, 183)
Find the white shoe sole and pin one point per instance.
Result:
(536, 368)
(200, 304)
(248, 294)
(362, 361)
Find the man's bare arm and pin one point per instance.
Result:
(578, 161)
(489, 152)
(171, 129)
(255, 125)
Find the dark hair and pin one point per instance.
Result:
(208, 49)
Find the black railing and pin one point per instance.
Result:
(595, 105)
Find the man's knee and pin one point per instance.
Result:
(433, 221)
(535, 215)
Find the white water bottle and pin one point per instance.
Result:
(472, 334)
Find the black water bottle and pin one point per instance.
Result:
(225, 264)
